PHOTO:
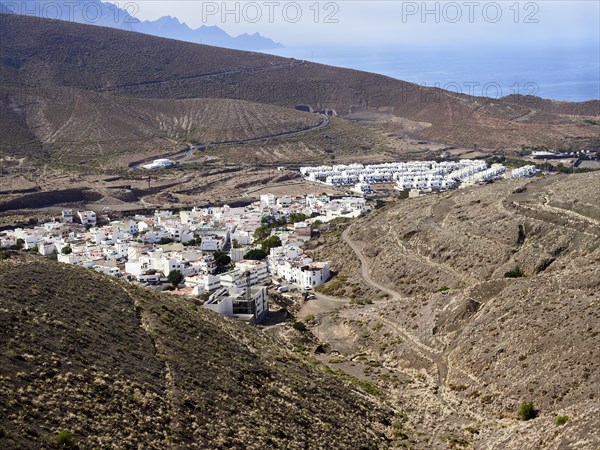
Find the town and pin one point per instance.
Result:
(230, 253)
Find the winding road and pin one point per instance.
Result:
(186, 153)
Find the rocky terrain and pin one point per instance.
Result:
(483, 298)
(122, 367)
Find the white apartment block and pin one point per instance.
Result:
(424, 175)
(525, 172)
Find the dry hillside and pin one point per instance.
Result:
(122, 367)
(42, 54)
(474, 342)
(73, 125)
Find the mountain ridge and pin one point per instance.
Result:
(110, 15)
(124, 64)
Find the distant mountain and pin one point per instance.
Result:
(96, 12)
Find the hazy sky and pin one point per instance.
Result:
(372, 23)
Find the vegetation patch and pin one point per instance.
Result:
(561, 420)
(527, 411)
(514, 273)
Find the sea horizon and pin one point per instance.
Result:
(550, 73)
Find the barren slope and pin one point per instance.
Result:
(120, 366)
(484, 342)
(73, 124)
(49, 53)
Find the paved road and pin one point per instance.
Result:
(187, 153)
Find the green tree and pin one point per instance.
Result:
(262, 232)
(256, 254)
(20, 243)
(272, 242)
(222, 260)
(175, 277)
(272, 222)
(165, 241)
(297, 217)
(66, 250)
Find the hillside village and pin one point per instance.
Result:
(228, 255)
(231, 253)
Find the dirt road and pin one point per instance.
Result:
(438, 358)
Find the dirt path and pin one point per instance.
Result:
(438, 358)
(321, 305)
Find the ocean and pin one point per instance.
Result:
(548, 72)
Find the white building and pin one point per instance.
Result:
(87, 217)
(525, 172)
(67, 215)
(159, 164)
(246, 273)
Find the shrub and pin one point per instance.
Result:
(443, 289)
(561, 420)
(368, 387)
(299, 326)
(514, 273)
(66, 250)
(165, 241)
(65, 439)
(4, 255)
(527, 411)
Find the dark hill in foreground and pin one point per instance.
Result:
(122, 367)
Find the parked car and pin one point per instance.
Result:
(283, 288)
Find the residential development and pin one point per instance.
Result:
(427, 176)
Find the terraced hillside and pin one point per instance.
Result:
(121, 367)
(43, 54)
(484, 298)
